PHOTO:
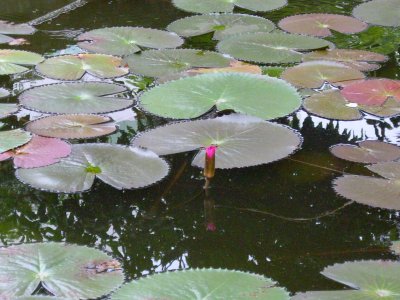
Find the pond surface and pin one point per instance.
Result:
(282, 220)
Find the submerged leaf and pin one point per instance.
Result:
(223, 25)
(314, 74)
(78, 126)
(79, 97)
(10, 61)
(191, 97)
(270, 48)
(157, 63)
(210, 6)
(118, 166)
(367, 152)
(127, 40)
(321, 24)
(39, 152)
(241, 141)
(379, 12)
(372, 191)
(73, 67)
(13, 138)
(62, 270)
(372, 91)
(202, 284)
(358, 59)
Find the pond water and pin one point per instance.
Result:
(282, 220)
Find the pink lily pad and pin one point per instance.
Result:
(39, 152)
(321, 24)
(372, 92)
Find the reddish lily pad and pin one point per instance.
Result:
(321, 24)
(314, 74)
(373, 91)
(39, 152)
(78, 126)
(73, 67)
(358, 59)
(367, 152)
(373, 191)
(127, 40)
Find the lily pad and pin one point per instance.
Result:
(75, 97)
(118, 166)
(314, 74)
(379, 12)
(127, 40)
(372, 280)
(191, 97)
(62, 270)
(4, 93)
(39, 152)
(270, 48)
(202, 284)
(373, 191)
(15, 29)
(331, 104)
(223, 25)
(321, 24)
(372, 91)
(11, 139)
(157, 63)
(358, 59)
(73, 67)
(7, 109)
(234, 66)
(367, 152)
(11, 61)
(77, 126)
(241, 141)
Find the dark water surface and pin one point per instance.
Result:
(255, 210)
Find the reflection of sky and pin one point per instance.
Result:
(358, 129)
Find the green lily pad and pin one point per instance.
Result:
(191, 97)
(15, 29)
(223, 25)
(157, 63)
(270, 48)
(4, 93)
(11, 139)
(321, 24)
(314, 74)
(331, 104)
(372, 280)
(210, 6)
(75, 97)
(73, 67)
(379, 12)
(7, 109)
(202, 284)
(127, 40)
(118, 166)
(63, 270)
(373, 191)
(357, 59)
(11, 61)
(367, 152)
(77, 126)
(396, 247)
(241, 140)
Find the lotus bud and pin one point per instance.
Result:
(209, 166)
